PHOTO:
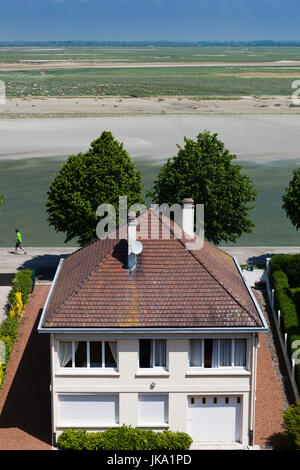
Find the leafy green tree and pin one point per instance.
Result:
(291, 199)
(87, 180)
(1, 200)
(203, 170)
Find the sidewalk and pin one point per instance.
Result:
(273, 390)
(25, 419)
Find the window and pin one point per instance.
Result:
(87, 410)
(88, 354)
(152, 353)
(153, 410)
(213, 353)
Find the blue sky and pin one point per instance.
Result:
(130, 20)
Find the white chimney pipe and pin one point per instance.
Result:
(188, 216)
(134, 247)
(131, 230)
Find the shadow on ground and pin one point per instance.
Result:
(261, 259)
(27, 405)
(44, 266)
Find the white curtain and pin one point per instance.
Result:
(215, 350)
(225, 352)
(196, 353)
(65, 352)
(160, 353)
(240, 352)
(113, 348)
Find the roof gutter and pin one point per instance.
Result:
(261, 316)
(40, 328)
(161, 330)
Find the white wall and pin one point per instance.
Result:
(178, 382)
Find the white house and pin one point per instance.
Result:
(164, 339)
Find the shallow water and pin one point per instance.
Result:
(25, 182)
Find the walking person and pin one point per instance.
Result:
(18, 242)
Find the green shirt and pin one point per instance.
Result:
(19, 237)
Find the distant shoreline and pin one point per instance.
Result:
(74, 107)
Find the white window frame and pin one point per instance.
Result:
(88, 355)
(232, 365)
(152, 356)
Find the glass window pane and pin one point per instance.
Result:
(240, 352)
(225, 352)
(110, 352)
(208, 351)
(80, 354)
(95, 354)
(145, 353)
(195, 352)
(160, 353)
(65, 353)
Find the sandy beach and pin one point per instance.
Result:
(124, 106)
(38, 64)
(152, 139)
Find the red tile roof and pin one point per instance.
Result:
(171, 286)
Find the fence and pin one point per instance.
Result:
(283, 339)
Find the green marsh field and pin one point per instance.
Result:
(150, 71)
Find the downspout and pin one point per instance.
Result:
(53, 434)
(255, 345)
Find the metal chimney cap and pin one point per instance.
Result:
(131, 216)
(188, 200)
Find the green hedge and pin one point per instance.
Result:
(9, 327)
(290, 265)
(285, 302)
(22, 282)
(291, 418)
(123, 438)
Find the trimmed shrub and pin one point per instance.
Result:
(9, 327)
(72, 439)
(21, 283)
(290, 265)
(17, 305)
(291, 418)
(284, 301)
(123, 438)
(169, 440)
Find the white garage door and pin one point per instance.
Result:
(214, 419)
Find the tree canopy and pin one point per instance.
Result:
(203, 170)
(291, 199)
(85, 181)
(1, 200)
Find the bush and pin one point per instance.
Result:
(9, 327)
(21, 283)
(284, 301)
(17, 305)
(290, 265)
(168, 440)
(123, 438)
(291, 419)
(72, 440)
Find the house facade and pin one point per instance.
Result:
(163, 339)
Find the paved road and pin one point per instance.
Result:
(45, 260)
